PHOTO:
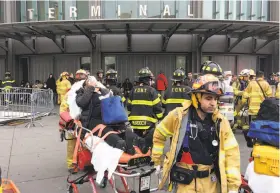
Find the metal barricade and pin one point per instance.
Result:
(25, 104)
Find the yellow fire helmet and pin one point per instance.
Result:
(64, 74)
(252, 72)
(208, 84)
(81, 74)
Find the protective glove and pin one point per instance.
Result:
(157, 169)
(233, 191)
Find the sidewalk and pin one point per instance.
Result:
(34, 158)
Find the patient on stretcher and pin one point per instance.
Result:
(89, 100)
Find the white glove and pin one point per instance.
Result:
(157, 170)
(233, 191)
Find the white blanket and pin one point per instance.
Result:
(261, 183)
(104, 157)
(74, 110)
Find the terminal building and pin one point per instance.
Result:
(42, 37)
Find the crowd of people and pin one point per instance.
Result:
(204, 154)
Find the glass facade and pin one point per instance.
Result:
(38, 10)
(1, 12)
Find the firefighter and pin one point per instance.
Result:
(80, 75)
(58, 89)
(255, 93)
(7, 85)
(64, 86)
(8, 82)
(277, 92)
(210, 67)
(144, 106)
(111, 83)
(252, 75)
(177, 94)
(204, 154)
(99, 76)
(238, 87)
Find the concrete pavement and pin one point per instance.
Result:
(34, 158)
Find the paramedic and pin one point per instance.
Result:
(144, 106)
(80, 75)
(204, 154)
(255, 93)
(177, 94)
(111, 83)
(238, 87)
(88, 99)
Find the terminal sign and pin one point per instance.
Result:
(95, 11)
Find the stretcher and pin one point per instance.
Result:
(138, 167)
(7, 186)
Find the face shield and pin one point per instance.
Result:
(211, 88)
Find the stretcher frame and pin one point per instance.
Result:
(123, 171)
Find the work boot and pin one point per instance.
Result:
(121, 145)
(141, 143)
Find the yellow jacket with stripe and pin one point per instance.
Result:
(254, 95)
(144, 107)
(277, 92)
(58, 86)
(174, 125)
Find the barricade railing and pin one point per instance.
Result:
(25, 104)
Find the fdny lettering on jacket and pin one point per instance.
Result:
(139, 122)
(178, 89)
(140, 90)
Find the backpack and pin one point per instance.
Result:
(269, 110)
(265, 131)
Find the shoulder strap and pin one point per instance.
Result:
(261, 89)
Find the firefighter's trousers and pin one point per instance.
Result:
(70, 150)
(209, 184)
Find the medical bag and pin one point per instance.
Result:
(66, 121)
(113, 111)
(266, 160)
(269, 110)
(265, 131)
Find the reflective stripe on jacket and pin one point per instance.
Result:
(174, 125)
(255, 96)
(144, 107)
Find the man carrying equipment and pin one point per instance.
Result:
(204, 154)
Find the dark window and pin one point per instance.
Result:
(85, 63)
(110, 62)
(24, 63)
(42, 10)
(2, 11)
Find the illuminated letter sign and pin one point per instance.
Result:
(95, 11)
(143, 10)
(51, 12)
(73, 10)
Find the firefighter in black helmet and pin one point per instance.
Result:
(111, 83)
(8, 82)
(144, 106)
(99, 76)
(177, 94)
(210, 67)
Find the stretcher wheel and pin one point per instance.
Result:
(103, 184)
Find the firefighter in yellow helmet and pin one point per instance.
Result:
(80, 75)
(64, 86)
(238, 87)
(58, 81)
(204, 154)
(252, 75)
(255, 93)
